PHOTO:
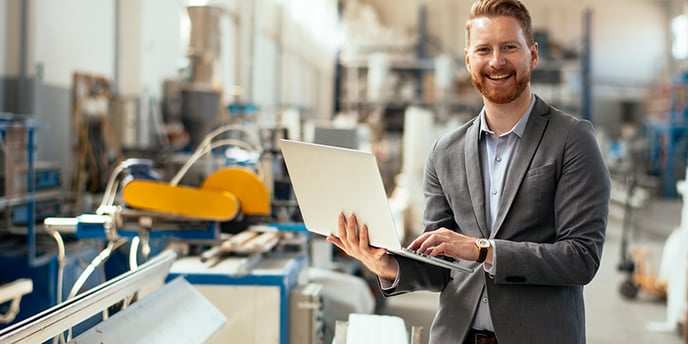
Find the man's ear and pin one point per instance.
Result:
(534, 55)
(468, 61)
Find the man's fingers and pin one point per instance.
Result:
(415, 244)
(334, 240)
(425, 242)
(365, 239)
(341, 224)
(352, 229)
(438, 250)
(353, 240)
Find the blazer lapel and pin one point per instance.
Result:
(525, 151)
(474, 176)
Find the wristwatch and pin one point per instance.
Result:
(483, 244)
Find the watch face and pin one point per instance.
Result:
(483, 243)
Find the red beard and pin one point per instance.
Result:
(501, 94)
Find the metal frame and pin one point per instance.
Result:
(53, 321)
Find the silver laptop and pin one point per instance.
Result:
(329, 180)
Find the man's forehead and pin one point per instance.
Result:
(485, 22)
(503, 27)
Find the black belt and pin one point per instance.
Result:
(480, 337)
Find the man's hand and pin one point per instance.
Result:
(446, 242)
(355, 243)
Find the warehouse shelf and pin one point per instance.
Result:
(18, 142)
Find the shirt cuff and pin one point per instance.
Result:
(490, 268)
(386, 284)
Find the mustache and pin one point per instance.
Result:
(501, 71)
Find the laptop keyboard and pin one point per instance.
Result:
(444, 258)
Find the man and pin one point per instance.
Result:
(523, 175)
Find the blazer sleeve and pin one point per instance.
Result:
(581, 204)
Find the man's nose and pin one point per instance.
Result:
(497, 59)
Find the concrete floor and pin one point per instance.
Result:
(610, 317)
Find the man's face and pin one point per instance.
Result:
(499, 59)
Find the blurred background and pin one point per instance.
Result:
(135, 128)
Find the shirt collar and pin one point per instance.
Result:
(518, 129)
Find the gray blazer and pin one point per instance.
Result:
(548, 233)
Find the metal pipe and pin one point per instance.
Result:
(115, 79)
(586, 60)
(23, 29)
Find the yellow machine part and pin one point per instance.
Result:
(204, 203)
(252, 194)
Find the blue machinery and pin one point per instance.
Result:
(48, 263)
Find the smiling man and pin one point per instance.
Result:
(521, 189)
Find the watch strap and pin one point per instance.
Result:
(482, 255)
(483, 246)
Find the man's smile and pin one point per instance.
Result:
(499, 76)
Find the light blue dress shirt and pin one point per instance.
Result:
(496, 153)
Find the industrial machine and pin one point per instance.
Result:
(306, 314)
(236, 234)
(224, 228)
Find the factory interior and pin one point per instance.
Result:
(145, 198)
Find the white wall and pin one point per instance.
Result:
(130, 47)
(308, 34)
(629, 47)
(79, 35)
(150, 48)
(265, 72)
(162, 49)
(72, 35)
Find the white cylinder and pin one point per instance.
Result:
(378, 67)
(291, 119)
(444, 71)
(419, 133)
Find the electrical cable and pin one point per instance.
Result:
(133, 253)
(133, 265)
(206, 142)
(208, 148)
(110, 190)
(99, 259)
(61, 262)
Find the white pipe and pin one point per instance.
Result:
(133, 253)
(206, 142)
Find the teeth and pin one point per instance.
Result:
(501, 76)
